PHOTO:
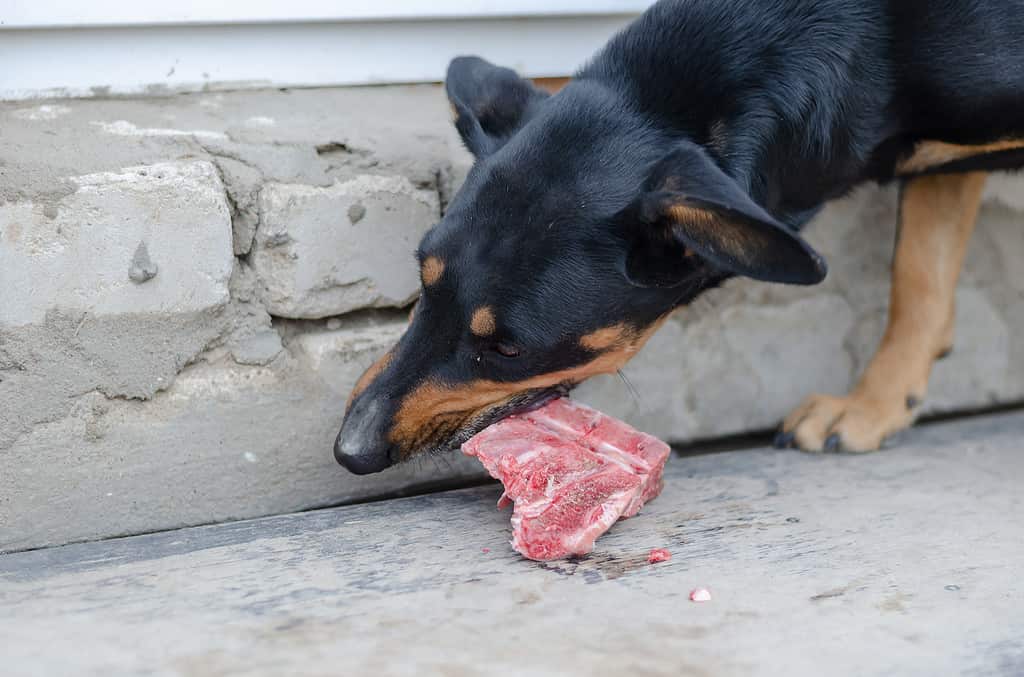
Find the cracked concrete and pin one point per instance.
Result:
(192, 284)
(68, 355)
(140, 357)
(298, 223)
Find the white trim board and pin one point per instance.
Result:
(15, 14)
(150, 60)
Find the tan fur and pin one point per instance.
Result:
(483, 323)
(431, 270)
(709, 227)
(698, 218)
(368, 376)
(938, 216)
(439, 408)
(552, 85)
(605, 338)
(932, 154)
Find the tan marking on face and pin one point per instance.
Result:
(431, 270)
(437, 404)
(605, 338)
(931, 154)
(483, 323)
(369, 375)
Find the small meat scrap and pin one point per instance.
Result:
(700, 595)
(571, 472)
(659, 555)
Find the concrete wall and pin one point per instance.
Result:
(189, 286)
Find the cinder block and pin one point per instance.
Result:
(340, 357)
(148, 239)
(326, 251)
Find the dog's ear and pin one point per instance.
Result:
(490, 103)
(691, 207)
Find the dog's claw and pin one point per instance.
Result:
(833, 443)
(783, 440)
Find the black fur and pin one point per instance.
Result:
(754, 112)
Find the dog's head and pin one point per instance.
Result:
(580, 227)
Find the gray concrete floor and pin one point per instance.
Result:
(906, 562)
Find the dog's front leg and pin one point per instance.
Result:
(937, 217)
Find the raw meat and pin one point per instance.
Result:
(700, 595)
(571, 472)
(659, 555)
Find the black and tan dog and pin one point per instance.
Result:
(693, 148)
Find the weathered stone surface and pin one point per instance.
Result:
(340, 357)
(243, 183)
(112, 288)
(258, 348)
(299, 136)
(91, 350)
(314, 260)
(224, 442)
(46, 367)
(78, 254)
(908, 564)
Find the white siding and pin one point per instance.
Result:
(74, 48)
(54, 13)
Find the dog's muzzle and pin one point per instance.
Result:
(362, 446)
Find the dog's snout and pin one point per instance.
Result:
(362, 446)
(361, 455)
(357, 459)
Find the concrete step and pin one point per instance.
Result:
(905, 562)
(192, 284)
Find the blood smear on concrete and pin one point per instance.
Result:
(659, 555)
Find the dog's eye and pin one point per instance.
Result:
(506, 349)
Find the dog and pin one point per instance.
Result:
(691, 149)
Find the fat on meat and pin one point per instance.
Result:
(571, 473)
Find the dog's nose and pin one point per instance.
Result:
(361, 446)
(357, 459)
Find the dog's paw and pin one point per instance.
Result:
(851, 424)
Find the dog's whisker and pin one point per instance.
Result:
(633, 392)
(433, 459)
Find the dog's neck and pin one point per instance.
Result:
(756, 113)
